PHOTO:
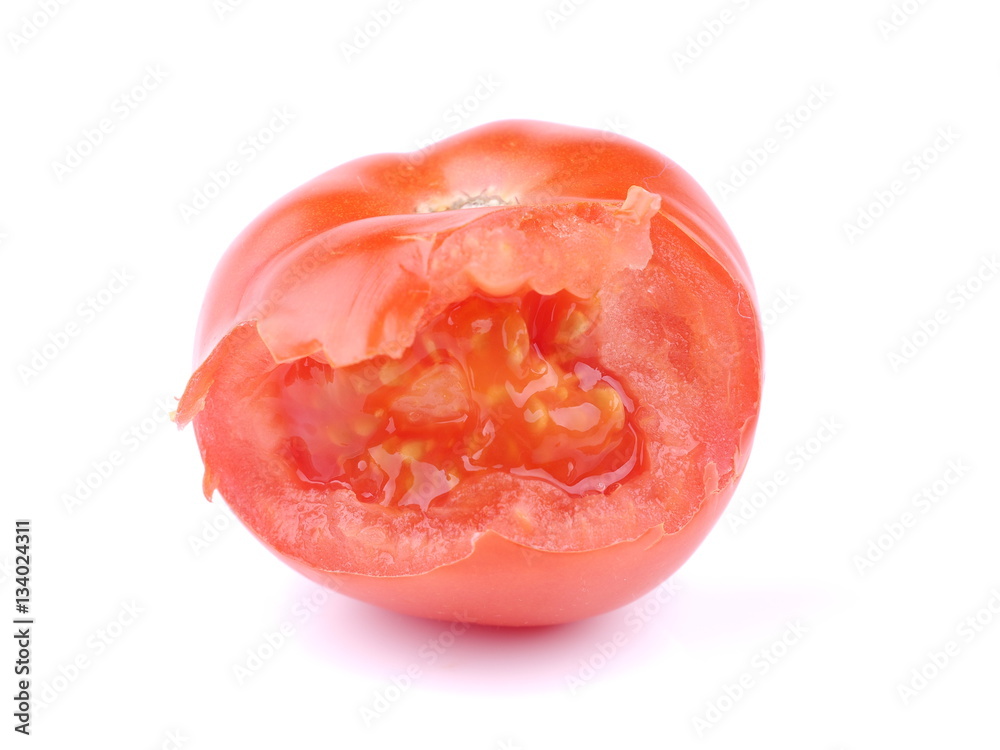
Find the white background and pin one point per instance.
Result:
(838, 304)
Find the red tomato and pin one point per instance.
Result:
(511, 379)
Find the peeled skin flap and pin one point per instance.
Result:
(364, 289)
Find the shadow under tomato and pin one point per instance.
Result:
(461, 657)
(368, 640)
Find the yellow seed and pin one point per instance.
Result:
(413, 449)
(515, 340)
(481, 342)
(496, 394)
(609, 402)
(574, 328)
(364, 425)
(435, 353)
(391, 371)
(334, 434)
(536, 414)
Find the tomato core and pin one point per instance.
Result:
(491, 383)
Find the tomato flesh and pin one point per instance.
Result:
(490, 383)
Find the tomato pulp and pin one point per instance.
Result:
(490, 384)
(512, 379)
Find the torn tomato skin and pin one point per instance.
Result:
(528, 161)
(499, 581)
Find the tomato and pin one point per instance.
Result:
(511, 379)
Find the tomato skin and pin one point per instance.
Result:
(495, 578)
(505, 583)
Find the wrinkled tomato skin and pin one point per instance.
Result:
(499, 581)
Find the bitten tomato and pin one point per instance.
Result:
(511, 379)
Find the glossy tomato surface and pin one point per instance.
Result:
(510, 379)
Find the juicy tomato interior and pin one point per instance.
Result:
(491, 383)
